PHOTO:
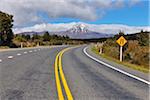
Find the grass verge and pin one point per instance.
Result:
(127, 64)
(4, 47)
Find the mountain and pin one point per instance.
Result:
(81, 31)
(78, 31)
(79, 28)
(33, 32)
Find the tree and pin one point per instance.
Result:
(20, 38)
(143, 38)
(46, 37)
(142, 31)
(35, 36)
(67, 37)
(27, 37)
(6, 34)
(121, 33)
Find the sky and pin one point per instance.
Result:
(134, 15)
(58, 15)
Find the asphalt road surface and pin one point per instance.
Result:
(89, 80)
(28, 74)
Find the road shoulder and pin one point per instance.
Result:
(142, 75)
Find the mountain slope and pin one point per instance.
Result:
(81, 31)
(78, 31)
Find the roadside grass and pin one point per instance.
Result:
(4, 47)
(127, 64)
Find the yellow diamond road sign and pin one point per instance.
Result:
(121, 41)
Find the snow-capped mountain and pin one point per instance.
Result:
(99, 28)
(81, 31)
(77, 31)
(79, 28)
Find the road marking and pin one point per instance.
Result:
(0, 60)
(30, 51)
(10, 57)
(18, 54)
(25, 52)
(114, 68)
(66, 87)
(59, 70)
(58, 85)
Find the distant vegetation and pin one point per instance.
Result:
(136, 51)
(45, 39)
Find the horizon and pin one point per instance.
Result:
(101, 28)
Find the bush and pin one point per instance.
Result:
(110, 48)
(133, 52)
(137, 54)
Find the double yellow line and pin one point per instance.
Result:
(60, 77)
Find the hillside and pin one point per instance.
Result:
(135, 51)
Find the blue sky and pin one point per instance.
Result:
(55, 15)
(136, 15)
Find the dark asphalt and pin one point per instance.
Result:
(90, 80)
(28, 76)
(31, 77)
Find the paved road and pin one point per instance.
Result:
(89, 80)
(30, 76)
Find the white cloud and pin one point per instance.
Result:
(27, 11)
(103, 28)
(115, 28)
(45, 27)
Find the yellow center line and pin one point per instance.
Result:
(68, 92)
(59, 89)
(58, 66)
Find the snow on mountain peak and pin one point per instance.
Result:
(79, 28)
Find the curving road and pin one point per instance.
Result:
(30, 76)
(89, 80)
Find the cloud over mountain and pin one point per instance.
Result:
(102, 28)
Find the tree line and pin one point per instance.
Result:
(45, 39)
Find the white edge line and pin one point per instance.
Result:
(10, 57)
(19, 54)
(25, 52)
(114, 68)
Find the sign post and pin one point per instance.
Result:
(121, 41)
(38, 44)
(121, 53)
(21, 44)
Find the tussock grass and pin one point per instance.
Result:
(4, 47)
(126, 64)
